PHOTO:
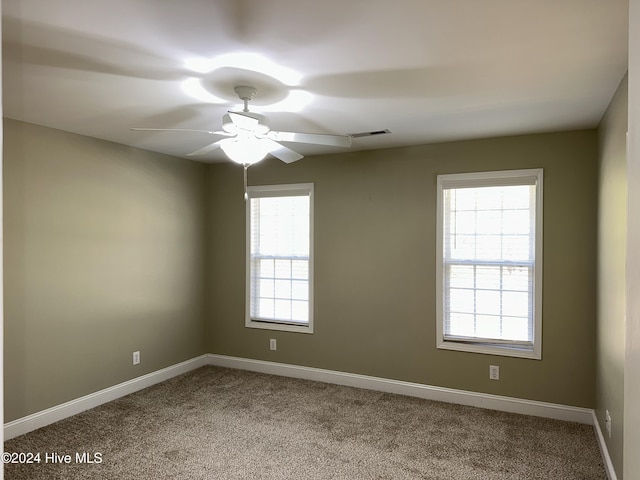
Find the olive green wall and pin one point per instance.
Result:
(375, 265)
(632, 327)
(109, 249)
(103, 248)
(612, 231)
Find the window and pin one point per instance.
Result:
(280, 257)
(489, 262)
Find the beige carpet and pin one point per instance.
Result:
(217, 423)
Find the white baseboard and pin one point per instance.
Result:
(441, 394)
(46, 417)
(608, 464)
(461, 397)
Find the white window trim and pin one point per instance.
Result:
(286, 190)
(505, 177)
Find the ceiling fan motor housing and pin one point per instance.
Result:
(260, 128)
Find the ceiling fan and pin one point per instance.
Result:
(248, 138)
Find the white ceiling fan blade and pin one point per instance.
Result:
(206, 148)
(210, 132)
(317, 138)
(281, 152)
(243, 121)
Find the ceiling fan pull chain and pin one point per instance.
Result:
(246, 195)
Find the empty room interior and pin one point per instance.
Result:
(142, 242)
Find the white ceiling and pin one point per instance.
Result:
(427, 70)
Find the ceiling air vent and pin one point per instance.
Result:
(369, 134)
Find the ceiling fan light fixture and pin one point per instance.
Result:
(245, 150)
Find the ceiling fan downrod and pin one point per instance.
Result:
(245, 93)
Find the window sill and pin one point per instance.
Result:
(283, 327)
(487, 349)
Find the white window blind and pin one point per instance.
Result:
(279, 257)
(489, 259)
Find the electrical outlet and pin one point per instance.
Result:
(272, 344)
(607, 422)
(136, 358)
(494, 372)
